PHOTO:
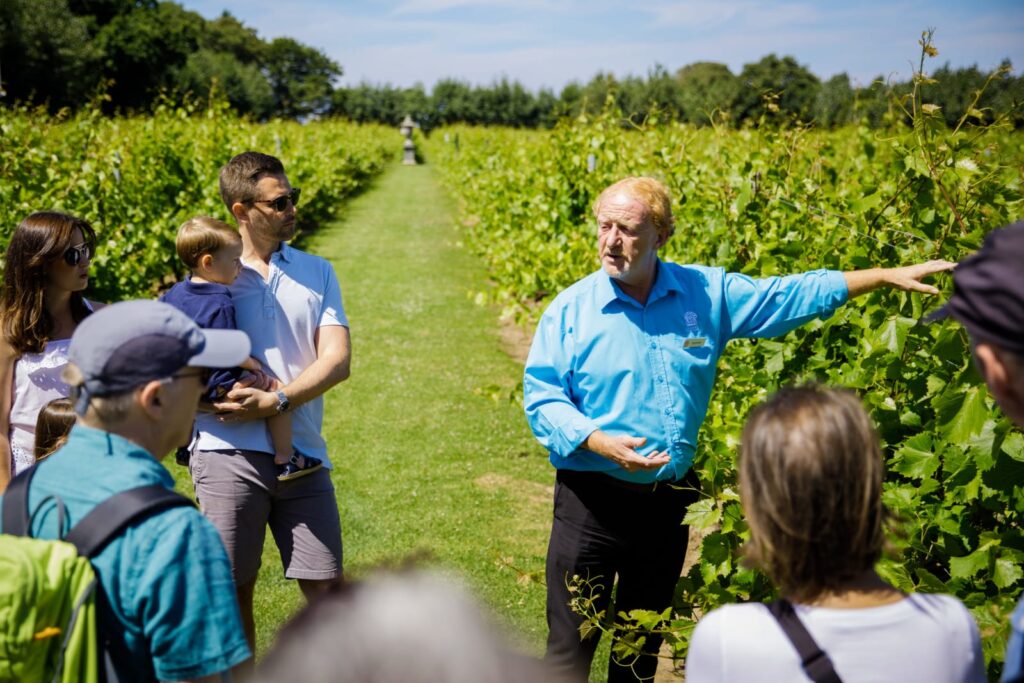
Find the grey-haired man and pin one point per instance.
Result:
(137, 369)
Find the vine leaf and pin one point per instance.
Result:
(1013, 446)
(1007, 572)
(961, 415)
(915, 458)
(967, 566)
(702, 514)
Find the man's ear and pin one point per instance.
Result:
(664, 235)
(150, 398)
(206, 261)
(991, 367)
(239, 211)
(1001, 377)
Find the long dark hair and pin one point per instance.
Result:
(39, 240)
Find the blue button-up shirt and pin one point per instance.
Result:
(600, 360)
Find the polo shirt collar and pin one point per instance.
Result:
(88, 442)
(286, 252)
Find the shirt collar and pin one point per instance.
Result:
(285, 252)
(98, 442)
(204, 287)
(664, 282)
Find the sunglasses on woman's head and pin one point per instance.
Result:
(74, 255)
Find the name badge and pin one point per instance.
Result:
(692, 342)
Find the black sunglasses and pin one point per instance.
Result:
(74, 255)
(281, 203)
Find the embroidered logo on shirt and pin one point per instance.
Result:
(690, 318)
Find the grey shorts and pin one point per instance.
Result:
(238, 491)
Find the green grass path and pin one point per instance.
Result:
(429, 458)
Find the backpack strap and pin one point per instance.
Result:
(91, 535)
(15, 505)
(109, 518)
(814, 660)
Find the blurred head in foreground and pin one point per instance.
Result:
(811, 485)
(409, 627)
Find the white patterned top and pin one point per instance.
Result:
(37, 381)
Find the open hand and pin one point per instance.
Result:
(908, 278)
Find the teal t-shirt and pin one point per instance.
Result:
(167, 577)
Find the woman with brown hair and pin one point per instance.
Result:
(811, 485)
(45, 272)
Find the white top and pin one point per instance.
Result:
(36, 382)
(281, 316)
(921, 638)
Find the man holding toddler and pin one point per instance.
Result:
(289, 303)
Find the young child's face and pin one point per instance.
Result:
(226, 264)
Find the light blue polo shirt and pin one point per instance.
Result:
(167, 577)
(600, 360)
(281, 316)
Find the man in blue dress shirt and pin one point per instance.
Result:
(616, 386)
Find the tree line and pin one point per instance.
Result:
(132, 53)
(774, 89)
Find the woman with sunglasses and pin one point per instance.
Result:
(811, 475)
(41, 303)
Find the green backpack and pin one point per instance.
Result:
(52, 607)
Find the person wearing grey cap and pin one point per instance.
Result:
(136, 371)
(988, 300)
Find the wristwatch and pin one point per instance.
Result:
(283, 403)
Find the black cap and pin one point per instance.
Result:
(988, 291)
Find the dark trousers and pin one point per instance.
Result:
(605, 528)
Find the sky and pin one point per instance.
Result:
(550, 43)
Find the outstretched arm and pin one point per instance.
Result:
(907, 278)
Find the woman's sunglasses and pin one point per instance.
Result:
(281, 203)
(74, 255)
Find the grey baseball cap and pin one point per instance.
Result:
(126, 344)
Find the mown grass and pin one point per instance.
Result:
(432, 459)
